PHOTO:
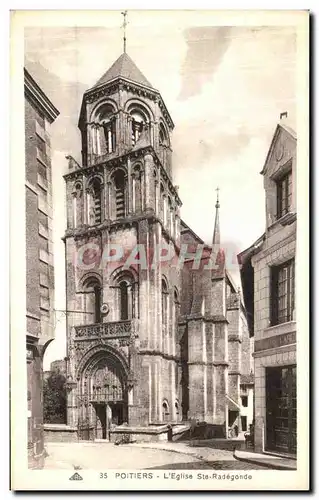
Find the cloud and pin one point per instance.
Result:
(206, 47)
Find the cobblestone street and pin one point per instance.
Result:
(104, 456)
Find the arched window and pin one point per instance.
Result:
(97, 200)
(170, 216)
(139, 118)
(76, 207)
(136, 188)
(175, 317)
(74, 210)
(119, 184)
(163, 138)
(164, 147)
(165, 411)
(165, 210)
(164, 304)
(96, 146)
(124, 281)
(93, 294)
(104, 131)
(155, 191)
(138, 123)
(97, 303)
(124, 300)
(162, 195)
(176, 408)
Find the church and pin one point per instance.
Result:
(158, 342)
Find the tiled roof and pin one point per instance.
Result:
(124, 67)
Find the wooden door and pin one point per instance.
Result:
(281, 409)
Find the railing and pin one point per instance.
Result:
(100, 396)
(113, 329)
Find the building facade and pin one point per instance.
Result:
(148, 337)
(268, 276)
(247, 401)
(39, 114)
(57, 366)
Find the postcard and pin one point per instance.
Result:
(159, 277)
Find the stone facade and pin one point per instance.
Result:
(147, 337)
(268, 282)
(39, 114)
(247, 402)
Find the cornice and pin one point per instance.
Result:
(219, 318)
(121, 83)
(120, 161)
(87, 231)
(208, 363)
(38, 97)
(156, 352)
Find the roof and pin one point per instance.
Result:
(185, 228)
(124, 67)
(250, 251)
(288, 130)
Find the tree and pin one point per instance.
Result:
(54, 399)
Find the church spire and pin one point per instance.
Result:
(124, 14)
(216, 235)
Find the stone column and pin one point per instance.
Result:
(109, 201)
(89, 129)
(156, 197)
(145, 331)
(129, 189)
(149, 182)
(106, 196)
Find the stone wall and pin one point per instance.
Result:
(60, 433)
(39, 256)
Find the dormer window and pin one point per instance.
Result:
(284, 194)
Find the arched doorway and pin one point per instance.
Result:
(104, 387)
(107, 396)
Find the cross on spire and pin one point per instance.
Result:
(216, 235)
(124, 14)
(217, 200)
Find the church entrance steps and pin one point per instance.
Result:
(203, 454)
(269, 461)
(220, 443)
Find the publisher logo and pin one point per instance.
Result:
(76, 477)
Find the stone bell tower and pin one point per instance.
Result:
(122, 297)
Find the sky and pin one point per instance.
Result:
(224, 86)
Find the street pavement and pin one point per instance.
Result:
(104, 456)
